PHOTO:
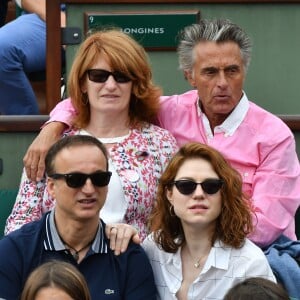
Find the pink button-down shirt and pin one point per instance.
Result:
(257, 143)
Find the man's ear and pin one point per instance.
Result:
(50, 187)
(190, 78)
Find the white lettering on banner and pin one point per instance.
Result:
(153, 30)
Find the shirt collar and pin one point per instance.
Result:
(218, 257)
(232, 122)
(53, 242)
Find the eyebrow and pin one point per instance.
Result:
(217, 69)
(236, 67)
(209, 69)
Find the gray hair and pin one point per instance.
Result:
(218, 31)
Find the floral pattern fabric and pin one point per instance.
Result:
(139, 161)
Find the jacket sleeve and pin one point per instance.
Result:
(168, 146)
(11, 264)
(28, 205)
(140, 279)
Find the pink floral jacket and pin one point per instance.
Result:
(139, 161)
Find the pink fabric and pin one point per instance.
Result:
(262, 149)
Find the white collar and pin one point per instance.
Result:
(112, 140)
(218, 257)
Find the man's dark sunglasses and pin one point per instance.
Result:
(77, 180)
(209, 186)
(99, 75)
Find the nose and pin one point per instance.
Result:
(222, 80)
(110, 82)
(198, 191)
(88, 187)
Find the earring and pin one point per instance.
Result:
(172, 211)
(85, 99)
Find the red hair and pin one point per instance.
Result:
(124, 55)
(234, 222)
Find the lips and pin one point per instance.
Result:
(109, 96)
(198, 206)
(87, 201)
(221, 97)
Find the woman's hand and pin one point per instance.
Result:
(120, 236)
(34, 159)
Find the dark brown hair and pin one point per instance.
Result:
(59, 274)
(256, 288)
(68, 142)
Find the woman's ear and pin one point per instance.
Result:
(83, 88)
(169, 194)
(83, 85)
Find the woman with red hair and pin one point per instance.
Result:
(198, 248)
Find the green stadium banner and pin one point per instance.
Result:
(155, 30)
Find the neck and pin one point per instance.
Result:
(75, 234)
(213, 118)
(196, 252)
(198, 246)
(198, 240)
(76, 253)
(109, 131)
(108, 125)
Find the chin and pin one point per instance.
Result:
(223, 109)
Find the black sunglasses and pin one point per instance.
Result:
(209, 186)
(77, 180)
(99, 75)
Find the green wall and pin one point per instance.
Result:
(13, 146)
(273, 79)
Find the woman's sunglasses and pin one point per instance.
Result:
(99, 75)
(209, 186)
(77, 180)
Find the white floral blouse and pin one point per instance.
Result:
(139, 161)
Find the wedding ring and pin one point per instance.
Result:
(114, 228)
